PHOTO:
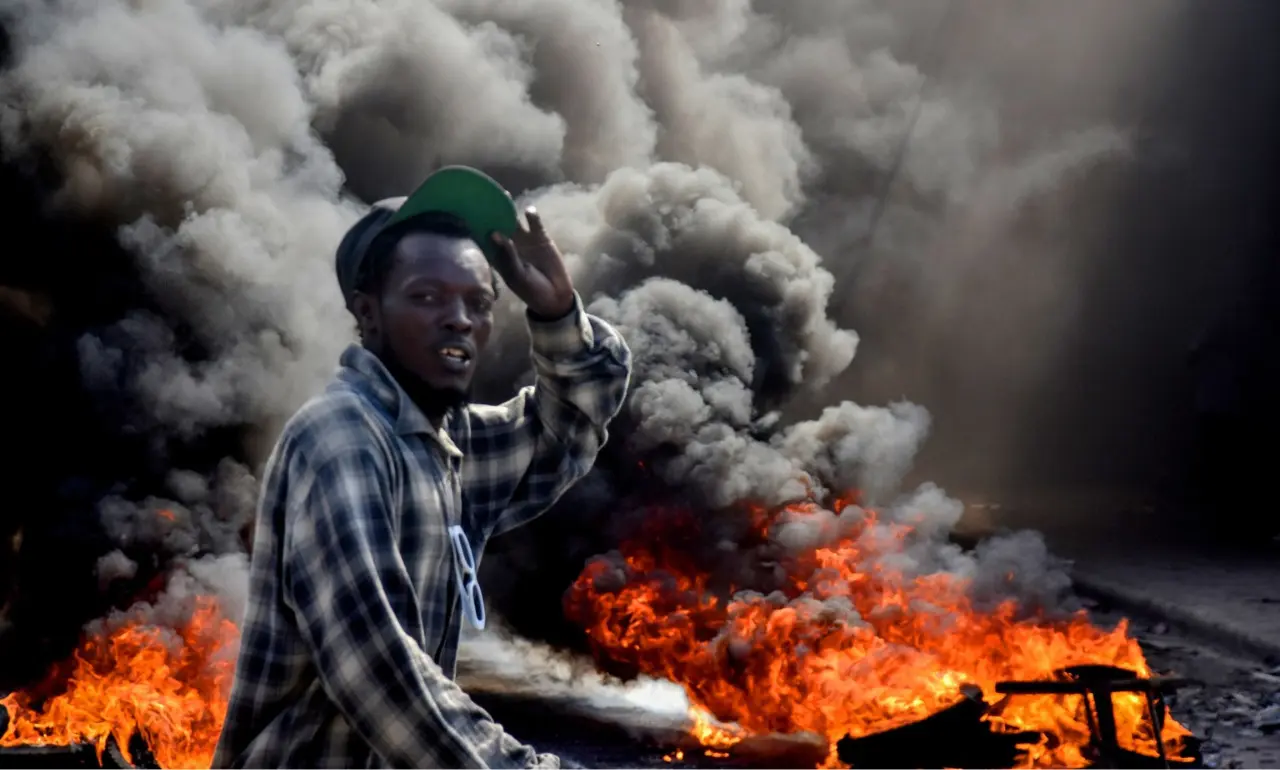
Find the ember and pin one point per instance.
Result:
(790, 662)
(169, 687)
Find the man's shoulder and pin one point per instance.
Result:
(335, 423)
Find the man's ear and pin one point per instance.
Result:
(368, 318)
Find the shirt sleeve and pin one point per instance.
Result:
(355, 603)
(523, 454)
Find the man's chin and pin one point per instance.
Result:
(448, 395)
(433, 390)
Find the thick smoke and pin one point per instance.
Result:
(711, 169)
(497, 662)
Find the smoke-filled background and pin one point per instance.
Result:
(1042, 227)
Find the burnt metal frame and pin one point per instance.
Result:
(1095, 684)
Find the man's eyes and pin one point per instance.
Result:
(479, 304)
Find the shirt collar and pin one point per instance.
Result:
(362, 368)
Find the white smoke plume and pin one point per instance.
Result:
(709, 168)
(496, 661)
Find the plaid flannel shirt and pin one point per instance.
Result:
(350, 637)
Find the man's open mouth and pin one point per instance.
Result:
(455, 354)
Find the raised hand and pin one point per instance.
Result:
(533, 268)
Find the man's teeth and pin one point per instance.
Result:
(456, 353)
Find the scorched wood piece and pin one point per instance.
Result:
(957, 736)
(75, 755)
(782, 752)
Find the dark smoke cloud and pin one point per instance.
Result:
(710, 168)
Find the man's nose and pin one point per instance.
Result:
(456, 318)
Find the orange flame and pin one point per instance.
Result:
(786, 665)
(170, 687)
(711, 735)
(751, 665)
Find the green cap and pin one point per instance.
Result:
(461, 193)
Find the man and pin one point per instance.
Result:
(381, 492)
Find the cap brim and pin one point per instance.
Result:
(469, 195)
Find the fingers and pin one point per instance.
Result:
(534, 247)
(507, 259)
(535, 222)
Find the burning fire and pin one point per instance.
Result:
(777, 665)
(752, 665)
(170, 686)
(713, 737)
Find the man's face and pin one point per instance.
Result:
(435, 311)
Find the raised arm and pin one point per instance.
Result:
(359, 615)
(523, 454)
